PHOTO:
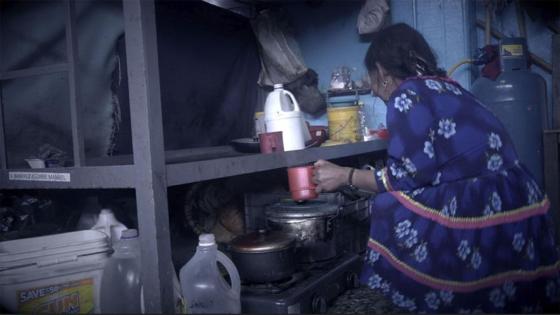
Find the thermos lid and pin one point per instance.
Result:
(262, 241)
(309, 209)
(278, 86)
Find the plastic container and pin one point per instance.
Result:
(259, 123)
(121, 283)
(300, 180)
(53, 274)
(204, 288)
(344, 124)
(282, 113)
(108, 224)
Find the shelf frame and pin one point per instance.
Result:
(190, 172)
(90, 177)
(150, 170)
(148, 151)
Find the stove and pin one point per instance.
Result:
(309, 291)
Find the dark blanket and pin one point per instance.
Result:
(209, 66)
(208, 62)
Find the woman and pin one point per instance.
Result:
(458, 224)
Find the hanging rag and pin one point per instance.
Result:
(282, 62)
(281, 58)
(372, 16)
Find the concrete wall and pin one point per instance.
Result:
(446, 25)
(328, 38)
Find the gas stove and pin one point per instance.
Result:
(310, 290)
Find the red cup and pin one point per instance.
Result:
(383, 134)
(271, 142)
(301, 184)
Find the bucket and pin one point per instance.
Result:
(344, 124)
(53, 274)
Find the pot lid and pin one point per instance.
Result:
(307, 209)
(262, 241)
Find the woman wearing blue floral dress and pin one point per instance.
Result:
(458, 223)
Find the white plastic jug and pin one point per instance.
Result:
(121, 282)
(204, 288)
(108, 224)
(280, 116)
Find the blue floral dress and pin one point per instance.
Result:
(459, 225)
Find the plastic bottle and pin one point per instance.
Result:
(204, 288)
(121, 284)
(108, 224)
(282, 113)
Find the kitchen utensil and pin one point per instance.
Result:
(246, 145)
(319, 134)
(300, 180)
(271, 142)
(282, 113)
(264, 256)
(313, 223)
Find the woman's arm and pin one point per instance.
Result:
(329, 177)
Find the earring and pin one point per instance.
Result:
(384, 83)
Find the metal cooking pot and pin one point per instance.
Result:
(314, 224)
(264, 256)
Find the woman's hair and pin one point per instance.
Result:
(403, 52)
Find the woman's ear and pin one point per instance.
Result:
(381, 72)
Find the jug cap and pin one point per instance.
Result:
(278, 86)
(106, 212)
(206, 239)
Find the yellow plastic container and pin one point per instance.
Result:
(344, 124)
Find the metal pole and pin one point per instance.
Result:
(74, 84)
(148, 149)
(520, 19)
(414, 15)
(3, 150)
(555, 81)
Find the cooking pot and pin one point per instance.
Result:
(313, 223)
(263, 256)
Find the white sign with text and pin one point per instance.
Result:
(39, 177)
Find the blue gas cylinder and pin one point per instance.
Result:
(518, 98)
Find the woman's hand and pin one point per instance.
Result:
(328, 176)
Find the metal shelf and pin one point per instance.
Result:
(180, 168)
(190, 172)
(116, 176)
(152, 169)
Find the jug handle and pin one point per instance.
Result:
(293, 99)
(232, 271)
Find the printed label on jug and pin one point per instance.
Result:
(69, 297)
